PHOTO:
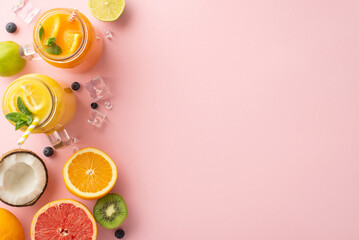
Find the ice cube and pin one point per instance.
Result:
(74, 149)
(74, 140)
(108, 34)
(96, 118)
(108, 105)
(97, 89)
(25, 10)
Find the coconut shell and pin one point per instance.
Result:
(15, 151)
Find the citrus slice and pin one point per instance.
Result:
(107, 10)
(89, 173)
(76, 42)
(63, 219)
(72, 41)
(56, 26)
(36, 98)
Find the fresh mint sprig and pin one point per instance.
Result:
(22, 118)
(51, 47)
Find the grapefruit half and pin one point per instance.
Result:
(63, 219)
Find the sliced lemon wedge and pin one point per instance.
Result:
(36, 98)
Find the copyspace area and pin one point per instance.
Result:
(231, 120)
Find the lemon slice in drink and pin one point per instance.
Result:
(107, 10)
(37, 99)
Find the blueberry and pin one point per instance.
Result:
(48, 151)
(94, 105)
(75, 86)
(119, 233)
(11, 27)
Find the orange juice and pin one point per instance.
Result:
(51, 102)
(68, 35)
(65, 44)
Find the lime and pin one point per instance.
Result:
(10, 61)
(107, 10)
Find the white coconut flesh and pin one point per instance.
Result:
(22, 178)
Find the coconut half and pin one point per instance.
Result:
(23, 178)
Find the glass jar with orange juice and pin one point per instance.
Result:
(65, 38)
(51, 102)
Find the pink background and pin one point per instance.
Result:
(231, 120)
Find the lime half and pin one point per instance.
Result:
(107, 10)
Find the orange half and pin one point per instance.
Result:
(89, 174)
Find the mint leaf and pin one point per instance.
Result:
(21, 106)
(20, 124)
(54, 49)
(13, 117)
(16, 117)
(29, 120)
(22, 118)
(41, 32)
(50, 41)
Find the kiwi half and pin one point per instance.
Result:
(110, 211)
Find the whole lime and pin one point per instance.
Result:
(11, 62)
